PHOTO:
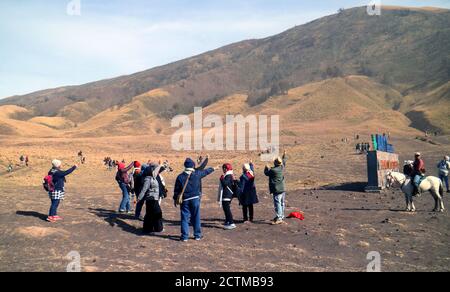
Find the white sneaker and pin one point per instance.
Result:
(230, 227)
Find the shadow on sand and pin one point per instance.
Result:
(115, 219)
(348, 187)
(40, 216)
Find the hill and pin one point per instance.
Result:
(406, 50)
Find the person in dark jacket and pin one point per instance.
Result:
(58, 193)
(153, 221)
(190, 181)
(418, 172)
(247, 192)
(277, 187)
(123, 179)
(227, 191)
(138, 183)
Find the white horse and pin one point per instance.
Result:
(432, 184)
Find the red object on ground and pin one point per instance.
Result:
(297, 215)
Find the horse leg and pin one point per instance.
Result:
(413, 207)
(408, 208)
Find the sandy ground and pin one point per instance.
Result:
(324, 179)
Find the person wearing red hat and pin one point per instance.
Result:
(228, 188)
(123, 179)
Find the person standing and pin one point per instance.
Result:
(187, 190)
(123, 179)
(227, 191)
(444, 168)
(153, 221)
(247, 192)
(57, 193)
(277, 187)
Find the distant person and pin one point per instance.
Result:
(123, 180)
(10, 168)
(277, 187)
(57, 190)
(359, 148)
(248, 196)
(418, 172)
(227, 191)
(22, 159)
(444, 168)
(153, 221)
(27, 161)
(187, 190)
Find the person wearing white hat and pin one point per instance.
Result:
(56, 189)
(444, 169)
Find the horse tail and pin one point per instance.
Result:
(441, 189)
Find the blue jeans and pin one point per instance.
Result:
(190, 212)
(279, 202)
(125, 204)
(54, 208)
(444, 180)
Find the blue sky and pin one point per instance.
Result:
(41, 46)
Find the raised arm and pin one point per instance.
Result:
(69, 171)
(204, 164)
(206, 172)
(127, 169)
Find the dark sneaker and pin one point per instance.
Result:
(277, 221)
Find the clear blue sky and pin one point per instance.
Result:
(42, 47)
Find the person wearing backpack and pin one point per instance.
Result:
(277, 187)
(153, 221)
(187, 195)
(123, 179)
(227, 191)
(247, 192)
(444, 168)
(54, 183)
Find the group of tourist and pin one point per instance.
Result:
(144, 184)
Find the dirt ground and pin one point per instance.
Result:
(325, 180)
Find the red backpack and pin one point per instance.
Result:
(48, 184)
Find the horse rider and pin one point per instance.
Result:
(418, 172)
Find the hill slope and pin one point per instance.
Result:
(407, 50)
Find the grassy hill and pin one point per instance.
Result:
(405, 52)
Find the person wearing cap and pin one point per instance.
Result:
(58, 192)
(137, 188)
(277, 187)
(418, 172)
(247, 191)
(189, 181)
(123, 179)
(227, 191)
(444, 169)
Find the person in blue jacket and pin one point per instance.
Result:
(190, 181)
(58, 192)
